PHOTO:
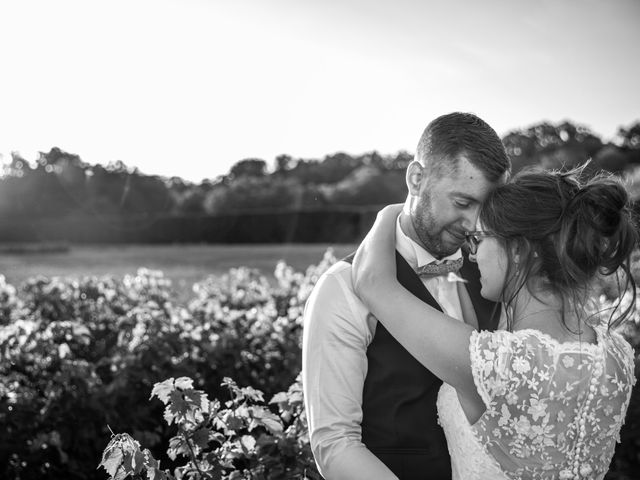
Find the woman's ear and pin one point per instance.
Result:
(415, 173)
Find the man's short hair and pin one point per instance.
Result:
(449, 136)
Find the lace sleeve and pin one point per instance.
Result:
(553, 410)
(500, 363)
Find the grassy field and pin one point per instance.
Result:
(183, 264)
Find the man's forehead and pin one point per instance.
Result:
(462, 167)
(470, 174)
(470, 187)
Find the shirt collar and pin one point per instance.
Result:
(415, 254)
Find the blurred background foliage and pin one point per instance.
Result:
(60, 185)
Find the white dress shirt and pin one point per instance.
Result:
(337, 332)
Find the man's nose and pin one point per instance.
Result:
(472, 258)
(470, 217)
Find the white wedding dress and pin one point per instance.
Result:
(553, 410)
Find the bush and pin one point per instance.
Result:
(245, 439)
(80, 356)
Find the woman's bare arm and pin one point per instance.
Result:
(439, 342)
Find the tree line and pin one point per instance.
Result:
(60, 184)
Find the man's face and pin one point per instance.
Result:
(448, 206)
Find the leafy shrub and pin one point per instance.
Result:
(242, 439)
(82, 355)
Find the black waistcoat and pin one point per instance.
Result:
(399, 423)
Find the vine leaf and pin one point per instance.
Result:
(112, 459)
(162, 390)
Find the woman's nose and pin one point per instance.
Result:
(472, 258)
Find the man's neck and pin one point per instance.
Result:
(406, 224)
(413, 247)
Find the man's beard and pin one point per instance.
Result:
(430, 232)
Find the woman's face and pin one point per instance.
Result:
(492, 260)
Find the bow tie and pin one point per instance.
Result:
(434, 269)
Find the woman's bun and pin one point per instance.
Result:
(596, 231)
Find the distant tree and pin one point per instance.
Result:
(284, 163)
(190, 201)
(368, 186)
(146, 194)
(67, 172)
(629, 141)
(249, 167)
(259, 194)
(117, 188)
(551, 146)
(14, 200)
(55, 185)
(17, 167)
(612, 159)
(521, 149)
(177, 184)
(400, 161)
(629, 137)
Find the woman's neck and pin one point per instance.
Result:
(548, 313)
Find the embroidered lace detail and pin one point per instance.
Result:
(554, 410)
(469, 459)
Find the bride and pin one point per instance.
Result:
(544, 397)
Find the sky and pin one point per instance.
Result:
(189, 87)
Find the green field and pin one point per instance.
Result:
(183, 264)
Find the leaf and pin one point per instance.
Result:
(153, 467)
(280, 398)
(63, 350)
(121, 474)
(198, 399)
(177, 446)
(137, 461)
(177, 404)
(80, 330)
(162, 390)
(248, 443)
(270, 421)
(156, 474)
(231, 422)
(253, 394)
(296, 397)
(111, 459)
(231, 385)
(184, 383)
(217, 437)
(201, 438)
(169, 415)
(149, 460)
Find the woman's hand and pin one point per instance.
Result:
(375, 262)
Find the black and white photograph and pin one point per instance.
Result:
(319, 240)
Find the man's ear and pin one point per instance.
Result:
(415, 175)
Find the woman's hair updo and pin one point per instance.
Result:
(565, 232)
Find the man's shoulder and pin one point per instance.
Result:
(339, 272)
(333, 302)
(339, 268)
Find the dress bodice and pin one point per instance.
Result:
(469, 460)
(553, 410)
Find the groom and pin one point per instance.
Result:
(371, 406)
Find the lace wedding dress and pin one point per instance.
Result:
(553, 410)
